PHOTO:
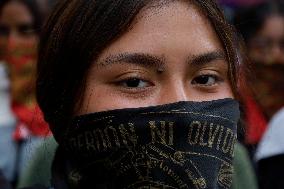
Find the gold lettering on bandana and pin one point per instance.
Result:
(198, 182)
(173, 175)
(159, 135)
(100, 139)
(220, 137)
(201, 142)
(90, 141)
(160, 152)
(113, 133)
(205, 135)
(103, 139)
(193, 134)
(212, 135)
(228, 141)
(129, 137)
(199, 133)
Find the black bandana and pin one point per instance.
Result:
(180, 145)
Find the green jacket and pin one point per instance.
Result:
(39, 170)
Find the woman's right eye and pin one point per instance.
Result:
(205, 80)
(134, 83)
(4, 31)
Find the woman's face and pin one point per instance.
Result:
(171, 53)
(267, 46)
(16, 27)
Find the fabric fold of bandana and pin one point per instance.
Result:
(178, 145)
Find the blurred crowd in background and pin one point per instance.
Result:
(26, 144)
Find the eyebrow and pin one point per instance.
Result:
(141, 59)
(207, 57)
(152, 61)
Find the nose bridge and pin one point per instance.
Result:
(276, 52)
(174, 91)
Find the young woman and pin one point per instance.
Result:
(140, 94)
(263, 29)
(20, 24)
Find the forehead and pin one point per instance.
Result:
(177, 26)
(15, 12)
(273, 26)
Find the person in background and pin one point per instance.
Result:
(20, 25)
(262, 28)
(270, 154)
(8, 148)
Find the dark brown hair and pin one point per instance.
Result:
(78, 31)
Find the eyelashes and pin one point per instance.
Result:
(205, 80)
(22, 29)
(134, 83)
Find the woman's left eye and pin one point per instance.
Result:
(134, 83)
(206, 80)
(26, 29)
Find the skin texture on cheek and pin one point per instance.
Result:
(175, 39)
